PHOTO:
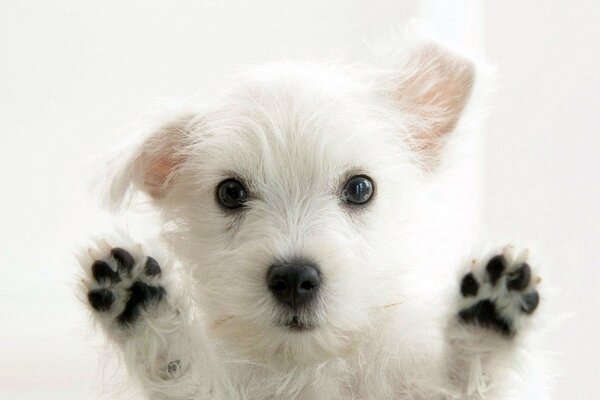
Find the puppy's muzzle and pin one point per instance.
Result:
(294, 284)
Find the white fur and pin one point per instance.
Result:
(292, 132)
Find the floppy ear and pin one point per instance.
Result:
(433, 89)
(149, 163)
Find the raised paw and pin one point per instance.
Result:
(123, 284)
(496, 294)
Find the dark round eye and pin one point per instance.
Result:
(358, 190)
(232, 194)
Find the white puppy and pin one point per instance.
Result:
(291, 209)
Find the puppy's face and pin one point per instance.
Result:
(287, 197)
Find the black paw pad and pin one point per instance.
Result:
(101, 299)
(469, 286)
(152, 268)
(485, 314)
(495, 268)
(103, 272)
(519, 279)
(529, 302)
(140, 295)
(123, 258)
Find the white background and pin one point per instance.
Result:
(72, 72)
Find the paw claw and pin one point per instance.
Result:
(103, 245)
(508, 251)
(524, 256)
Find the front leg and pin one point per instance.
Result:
(484, 337)
(138, 304)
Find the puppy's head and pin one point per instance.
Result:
(289, 193)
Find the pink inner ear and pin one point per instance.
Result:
(157, 175)
(436, 90)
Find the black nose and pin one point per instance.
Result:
(294, 284)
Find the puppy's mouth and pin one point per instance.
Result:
(297, 325)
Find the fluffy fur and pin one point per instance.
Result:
(293, 133)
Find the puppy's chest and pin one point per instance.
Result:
(311, 383)
(321, 389)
